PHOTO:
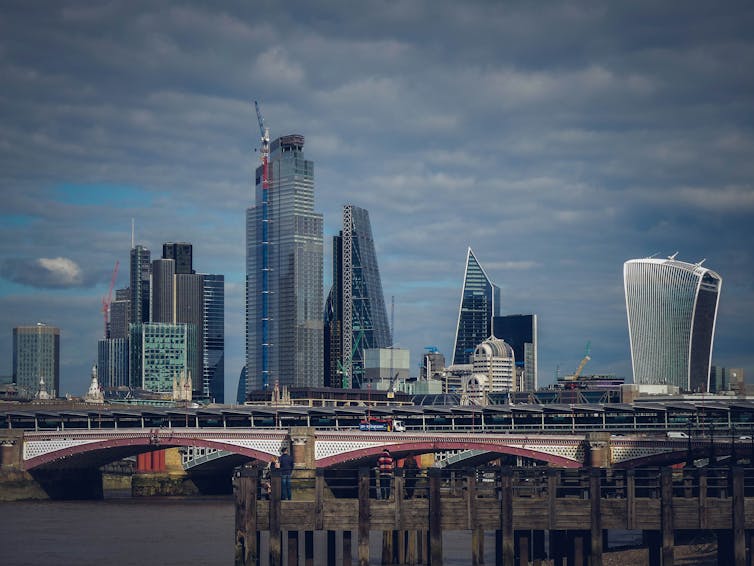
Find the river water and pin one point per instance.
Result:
(121, 531)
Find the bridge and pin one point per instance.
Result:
(43, 439)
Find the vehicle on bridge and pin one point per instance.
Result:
(377, 424)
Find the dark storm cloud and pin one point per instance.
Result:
(557, 140)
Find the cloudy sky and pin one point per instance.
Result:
(556, 139)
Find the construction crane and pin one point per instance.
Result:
(348, 363)
(264, 156)
(106, 301)
(586, 358)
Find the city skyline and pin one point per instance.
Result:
(557, 142)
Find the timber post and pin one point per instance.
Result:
(363, 536)
(245, 492)
(435, 517)
(276, 548)
(506, 515)
(739, 517)
(666, 503)
(595, 495)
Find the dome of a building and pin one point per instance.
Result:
(494, 347)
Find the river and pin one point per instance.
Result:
(125, 531)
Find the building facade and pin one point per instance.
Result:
(36, 359)
(112, 362)
(213, 335)
(163, 290)
(480, 301)
(355, 314)
(672, 310)
(162, 353)
(140, 276)
(181, 253)
(493, 369)
(284, 328)
(520, 331)
(120, 314)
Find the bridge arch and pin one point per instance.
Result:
(400, 450)
(104, 451)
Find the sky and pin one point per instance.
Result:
(556, 139)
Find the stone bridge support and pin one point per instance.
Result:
(11, 449)
(598, 452)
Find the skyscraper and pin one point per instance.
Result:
(480, 301)
(284, 273)
(141, 270)
(163, 290)
(120, 313)
(161, 353)
(520, 331)
(36, 358)
(672, 309)
(213, 375)
(181, 253)
(112, 362)
(355, 315)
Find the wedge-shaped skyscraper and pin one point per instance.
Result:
(355, 316)
(672, 309)
(480, 301)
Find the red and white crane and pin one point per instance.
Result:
(109, 299)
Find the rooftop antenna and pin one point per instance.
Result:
(132, 233)
(673, 256)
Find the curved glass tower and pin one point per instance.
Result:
(355, 314)
(480, 301)
(672, 309)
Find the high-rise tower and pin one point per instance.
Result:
(213, 378)
(672, 309)
(284, 263)
(141, 271)
(520, 331)
(355, 315)
(36, 360)
(480, 301)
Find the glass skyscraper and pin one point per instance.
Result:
(140, 275)
(520, 331)
(36, 356)
(284, 336)
(480, 301)
(161, 353)
(355, 315)
(672, 309)
(213, 380)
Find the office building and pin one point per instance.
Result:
(520, 332)
(112, 362)
(181, 253)
(189, 309)
(36, 360)
(120, 314)
(384, 367)
(493, 370)
(672, 309)
(140, 276)
(213, 332)
(355, 314)
(163, 290)
(480, 301)
(162, 353)
(284, 334)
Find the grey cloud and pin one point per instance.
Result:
(45, 273)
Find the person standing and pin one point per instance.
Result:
(286, 469)
(385, 465)
(410, 469)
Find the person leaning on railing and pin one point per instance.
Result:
(385, 465)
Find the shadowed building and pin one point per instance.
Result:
(355, 315)
(520, 331)
(672, 309)
(480, 301)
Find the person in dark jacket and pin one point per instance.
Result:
(286, 469)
